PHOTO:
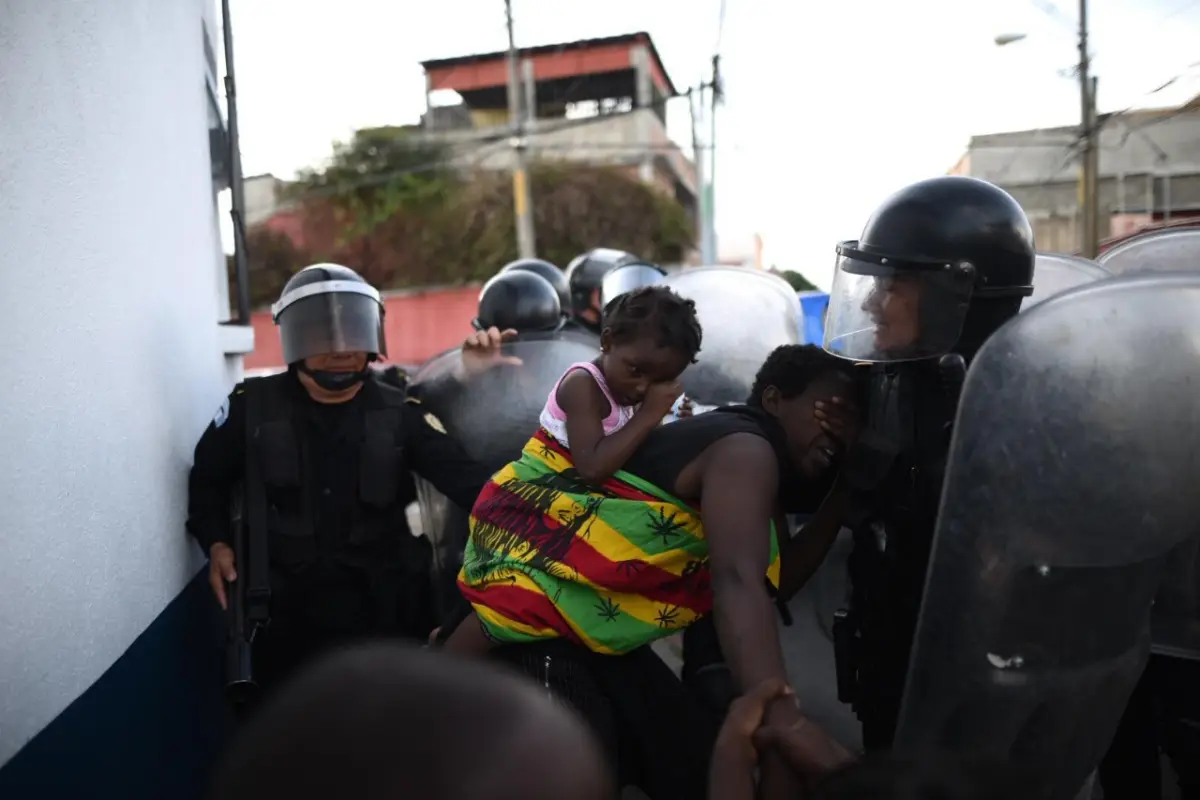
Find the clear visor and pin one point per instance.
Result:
(883, 313)
(332, 322)
(623, 280)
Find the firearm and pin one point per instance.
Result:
(240, 685)
(249, 595)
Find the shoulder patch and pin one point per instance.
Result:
(434, 422)
(222, 413)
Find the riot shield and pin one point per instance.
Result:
(492, 416)
(1054, 273)
(1157, 250)
(1175, 621)
(1070, 482)
(1176, 611)
(745, 314)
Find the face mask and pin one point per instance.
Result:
(335, 381)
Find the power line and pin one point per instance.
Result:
(476, 156)
(1187, 4)
(491, 141)
(1052, 11)
(720, 27)
(1070, 150)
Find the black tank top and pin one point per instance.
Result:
(670, 448)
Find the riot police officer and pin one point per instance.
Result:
(585, 276)
(324, 453)
(521, 301)
(939, 267)
(627, 277)
(548, 271)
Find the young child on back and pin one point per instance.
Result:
(602, 410)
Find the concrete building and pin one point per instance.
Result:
(265, 197)
(1149, 172)
(115, 315)
(596, 101)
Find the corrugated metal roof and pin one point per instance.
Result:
(640, 37)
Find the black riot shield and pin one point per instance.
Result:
(1070, 483)
(1158, 250)
(745, 314)
(1054, 273)
(492, 416)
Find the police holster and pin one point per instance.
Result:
(845, 655)
(864, 470)
(250, 594)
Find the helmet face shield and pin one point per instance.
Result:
(623, 280)
(322, 323)
(883, 309)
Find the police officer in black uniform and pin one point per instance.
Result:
(585, 276)
(324, 453)
(519, 301)
(940, 266)
(549, 271)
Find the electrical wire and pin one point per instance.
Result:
(488, 143)
(1071, 149)
(720, 28)
(1186, 5)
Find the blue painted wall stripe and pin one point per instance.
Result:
(150, 728)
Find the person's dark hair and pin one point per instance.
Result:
(792, 367)
(656, 311)
(384, 720)
(933, 776)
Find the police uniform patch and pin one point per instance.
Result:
(222, 414)
(434, 422)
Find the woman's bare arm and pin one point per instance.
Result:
(738, 496)
(803, 553)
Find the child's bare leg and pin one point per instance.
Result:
(468, 638)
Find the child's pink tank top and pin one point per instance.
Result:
(554, 419)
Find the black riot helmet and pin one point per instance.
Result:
(585, 275)
(627, 277)
(548, 271)
(520, 300)
(326, 309)
(940, 266)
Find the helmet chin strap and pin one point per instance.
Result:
(335, 381)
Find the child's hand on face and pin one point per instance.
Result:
(660, 397)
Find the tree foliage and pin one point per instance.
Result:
(388, 206)
(379, 173)
(271, 258)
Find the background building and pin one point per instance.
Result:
(1149, 173)
(594, 101)
(115, 312)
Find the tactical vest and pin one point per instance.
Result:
(891, 545)
(374, 533)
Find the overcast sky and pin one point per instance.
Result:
(829, 109)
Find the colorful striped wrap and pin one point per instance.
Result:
(611, 568)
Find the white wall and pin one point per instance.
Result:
(113, 361)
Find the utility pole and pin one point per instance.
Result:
(237, 185)
(1088, 161)
(708, 240)
(521, 203)
(695, 104)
